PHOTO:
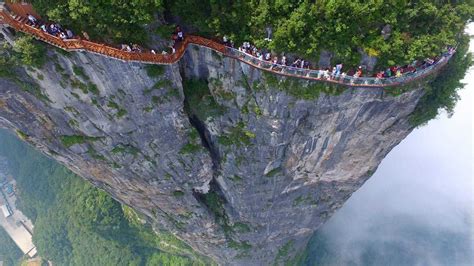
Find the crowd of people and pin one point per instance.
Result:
(277, 63)
(133, 48)
(52, 28)
(56, 30)
(283, 62)
(177, 37)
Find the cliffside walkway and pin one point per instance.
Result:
(19, 24)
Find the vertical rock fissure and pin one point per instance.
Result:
(214, 199)
(205, 137)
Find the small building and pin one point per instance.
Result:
(6, 211)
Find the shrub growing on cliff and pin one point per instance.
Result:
(29, 51)
(178, 193)
(154, 71)
(200, 101)
(79, 71)
(237, 135)
(70, 140)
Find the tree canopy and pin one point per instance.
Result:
(78, 224)
(118, 20)
(418, 29)
(10, 254)
(414, 29)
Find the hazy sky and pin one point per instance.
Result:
(425, 185)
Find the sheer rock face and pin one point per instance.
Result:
(280, 165)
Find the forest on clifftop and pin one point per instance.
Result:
(411, 29)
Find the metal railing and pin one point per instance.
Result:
(322, 75)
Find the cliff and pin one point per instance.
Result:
(242, 165)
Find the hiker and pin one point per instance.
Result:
(32, 20)
(69, 34)
(398, 73)
(44, 28)
(358, 72)
(86, 36)
(62, 35)
(343, 75)
(378, 77)
(268, 56)
(275, 62)
(429, 61)
(333, 72)
(254, 50)
(338, 69)
(125, 47)
(52, 29)
(136, 48)
(296, 62)
(180, 36)
(283, 60)
(326, 74)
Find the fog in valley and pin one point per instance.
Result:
(417, 209)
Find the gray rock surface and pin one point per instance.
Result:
(279, 165)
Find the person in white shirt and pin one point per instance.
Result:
(268, 56)
(32, 19)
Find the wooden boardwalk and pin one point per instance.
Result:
(18, 23)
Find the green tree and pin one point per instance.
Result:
(419, 29)
(116, 20)
(79, 224)
(51, 238)
(9, 252)
(29, 51)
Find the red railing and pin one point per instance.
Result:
(19, 24)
